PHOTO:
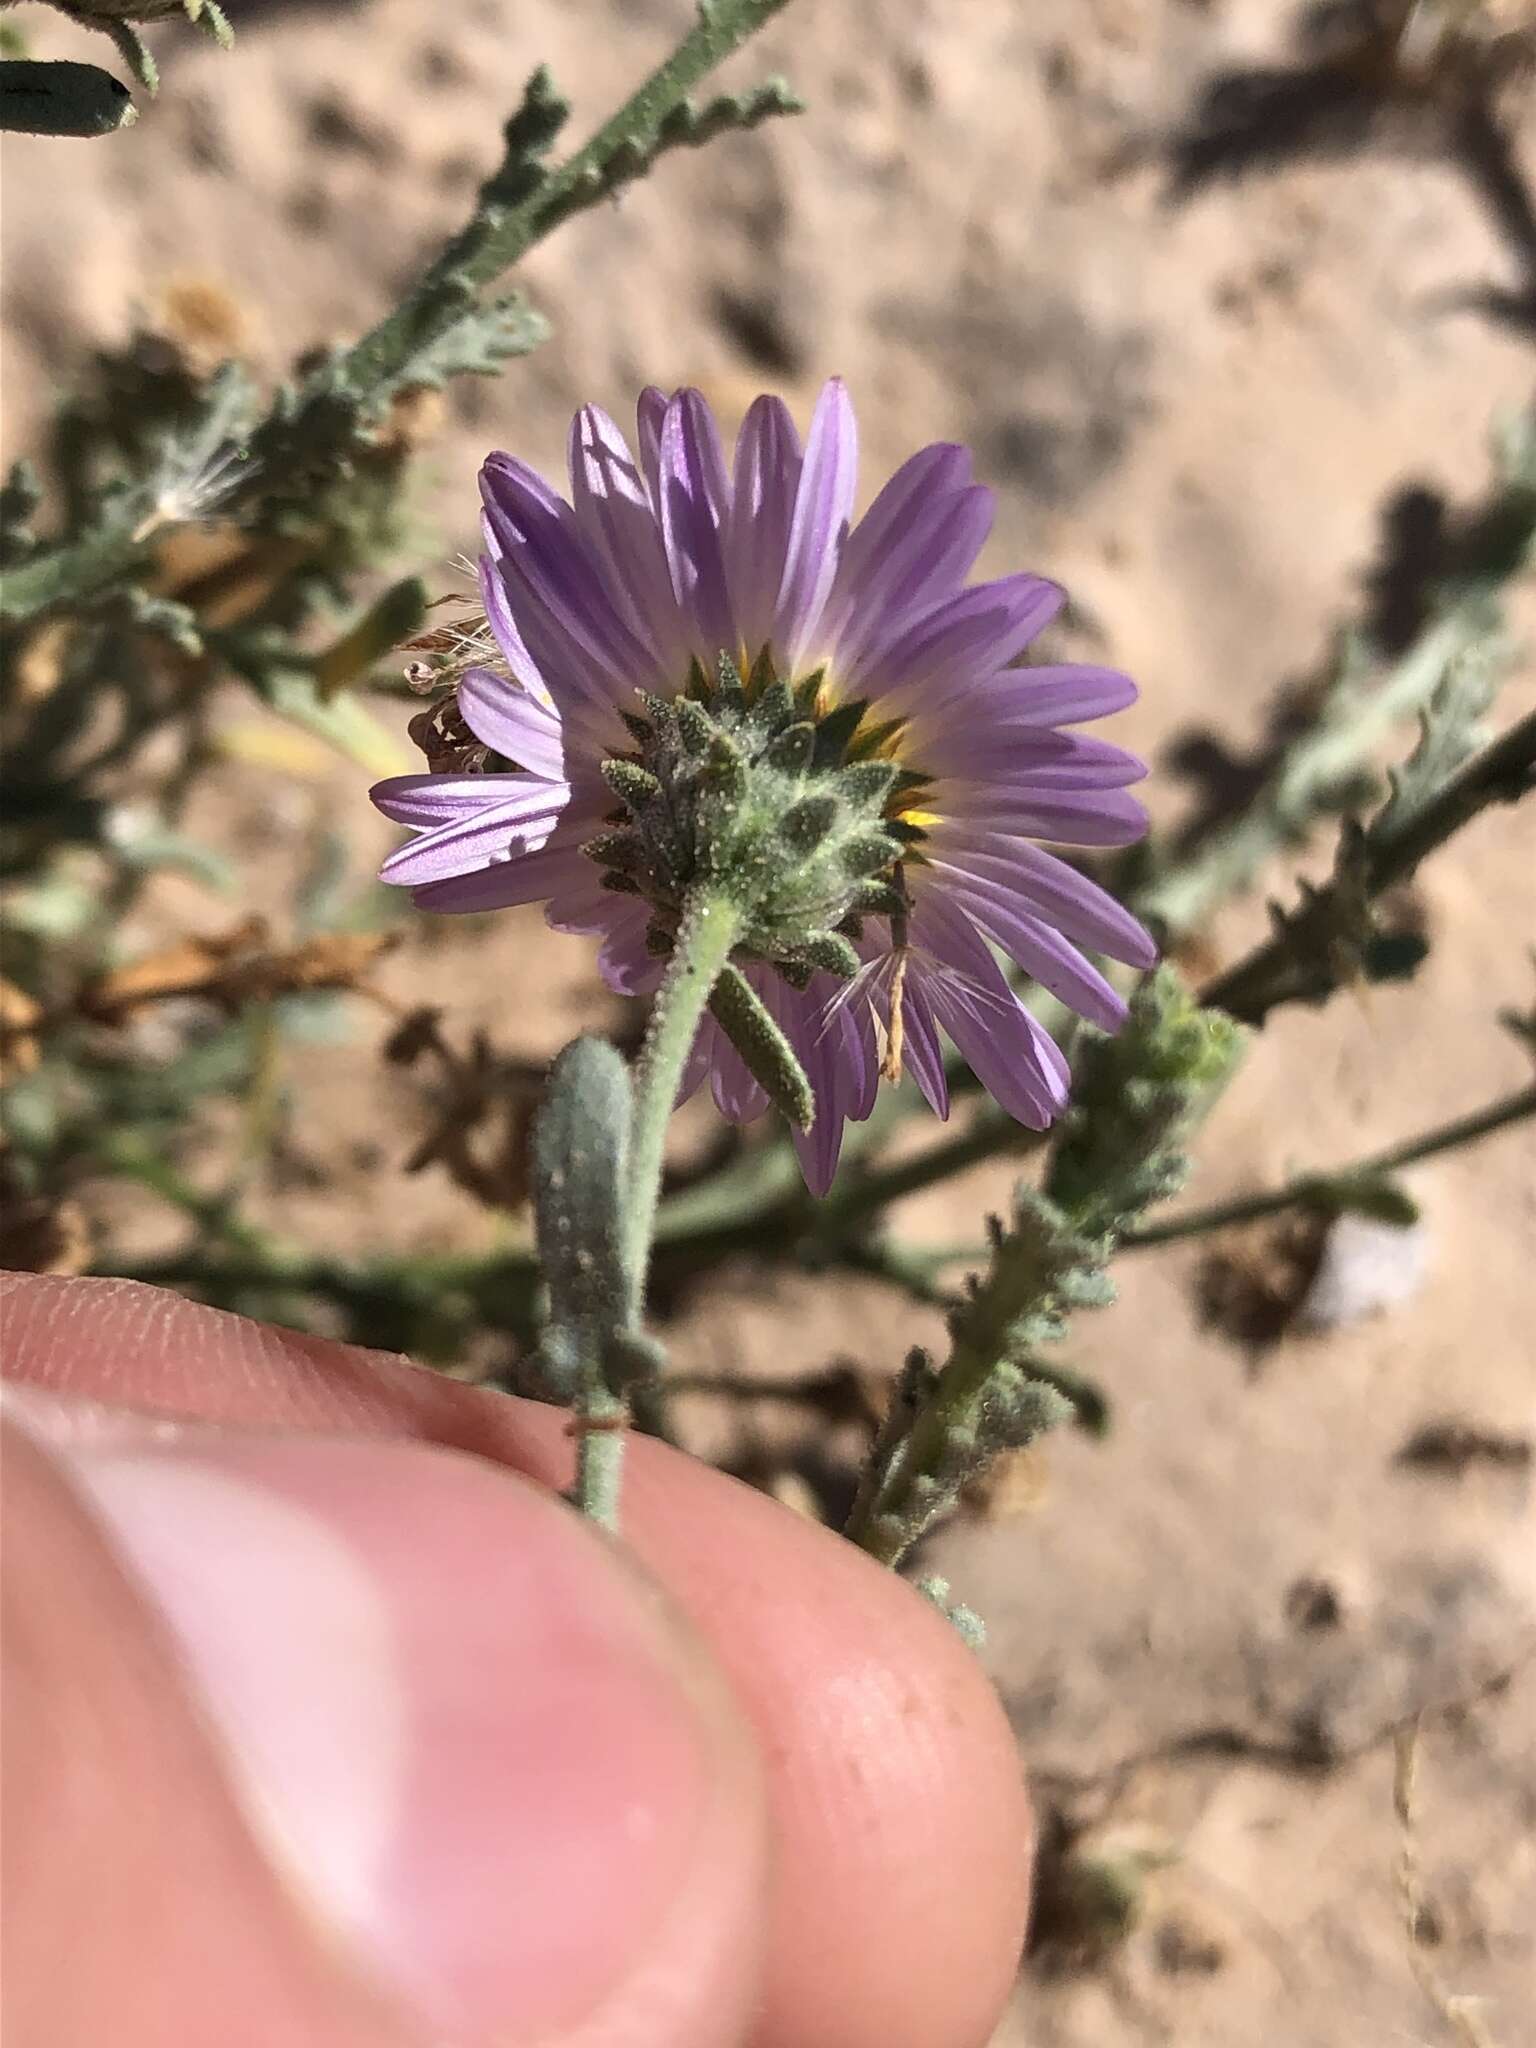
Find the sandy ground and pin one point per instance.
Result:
(1206, 1626)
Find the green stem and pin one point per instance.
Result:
(634, 132)
(1504, 772)
(916, 1268)
(598, 1423)
(1463, 1130)
(878, 1523)
(709, 929)
(912, 1476)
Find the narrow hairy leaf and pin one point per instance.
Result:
(766, 1053)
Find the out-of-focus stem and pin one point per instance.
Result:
(1280, 971)
(1462, 1130)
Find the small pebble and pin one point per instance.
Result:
(1366, 1267)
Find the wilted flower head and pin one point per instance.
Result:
(715, 674)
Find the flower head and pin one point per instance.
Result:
(715, 671)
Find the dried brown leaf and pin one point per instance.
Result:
(19, 1018)
(234, 968)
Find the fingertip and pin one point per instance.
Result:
(902, 1821)
(901, 1833)
(478, 1751)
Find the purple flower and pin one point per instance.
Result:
(654, 570)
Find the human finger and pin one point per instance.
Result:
(900, 1826)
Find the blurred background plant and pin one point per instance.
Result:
(190, 535)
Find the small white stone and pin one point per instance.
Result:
(1367, 1266)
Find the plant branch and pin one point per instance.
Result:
(597, 1184)
(647, 124)
(517, 207)
(1320, 772)
(709, 929)
(1122, 1149)
(1329, 767)
(1298, 964)
(1312, 1187)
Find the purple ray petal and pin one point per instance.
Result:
(1068, 693)
(1095, 817)
(919, 567)
(585, 905)
(518, 725)
(835, 1046)
(980, 630)
(576, 685)
(493, 832)
(819, 526)
(762, 507)
(498, 612)
(614, 509)
(903, 503)
(1043, 954)
(738, 1097)
(973, 749)
(694, 495)
(1004, 1054)
(625, 962)
(864, 1060)
(1051, 889)
(819, 1148)
(1019, 1064)
(427, 801)
(650, 416)
(499, 468)
(557, 591)
(697, 1065)
(525, 880)
(1093, 764)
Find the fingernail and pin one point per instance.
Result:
(461, 1727)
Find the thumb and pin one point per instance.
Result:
(356, 1741)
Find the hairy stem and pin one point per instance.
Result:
(598, 1424)
(633, 134)
(709, 929)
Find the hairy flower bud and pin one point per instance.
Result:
(727, 785)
